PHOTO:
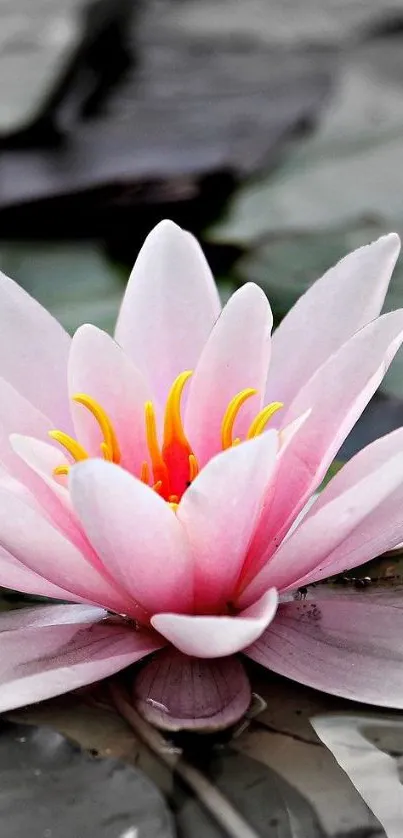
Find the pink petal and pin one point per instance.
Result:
(337, 394)
(53, 496)
(36, 544)
(15, 575)
(342, 647)
(175, 692)
(235, 357)
(358, 523)
(169, 308)
(219, 512)
(19, 416)
(33, 351)
(382, 528)
(15, 487)
(216, 637)
(136, 533)
(346, 298)
(49, 615)
(42, 458)
(100, 368)
(39, 663)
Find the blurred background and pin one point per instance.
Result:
(272, 129)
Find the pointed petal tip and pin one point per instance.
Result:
(166, 227)
(392, 239)
(251, 289)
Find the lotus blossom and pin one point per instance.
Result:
(164, 485)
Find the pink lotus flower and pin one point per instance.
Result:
(190, 505)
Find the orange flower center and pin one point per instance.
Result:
(172, 465)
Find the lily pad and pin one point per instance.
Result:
(43, 47)
(348, 171)
(370, 751)
(270, 805)
(273, 773)
(287, 23)
(51, 789)
(75, 281)
(189, 109)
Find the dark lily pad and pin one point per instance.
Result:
(47, 48)
(191, 108)
(270, 805)
(275, 774)
(345, 174)
(51, 789)
(370, 751)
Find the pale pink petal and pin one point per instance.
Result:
(356, 525)
(19, 416)
(42, 459)
(99, 368)
(375, 534)
(337, 394)
(346, 298)
(49, 615)
(235, 357)
(33, 541)
(136, 534)
(343, 647)
(34, 350)
(42, 662)
(18, 577)
(51, 492)
(216, 637)
(219, 512)
(15, 487)
(176, 692)
(169, 308)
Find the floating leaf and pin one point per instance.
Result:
(356, 743)
(74, 281)
(51, 788)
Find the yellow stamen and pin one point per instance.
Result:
(145, 473)
(160, 471)
(110, 446)
(261, 420)
(230, 415)
(193, 467)
(61, 470)
(173, 427)
(173, 506)
(106, 453)
(71, 445)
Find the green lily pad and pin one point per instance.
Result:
(348, 171)
(75, 281)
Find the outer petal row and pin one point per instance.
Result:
(343, 647)
(48, 651)
(345, 299)
(337, 394)
(357, 517)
